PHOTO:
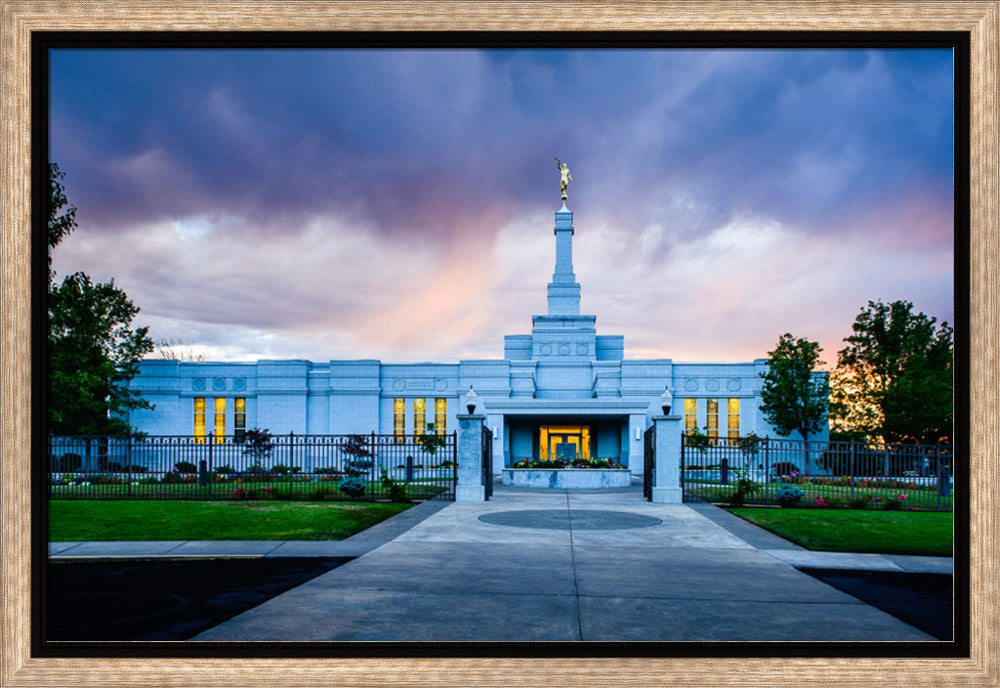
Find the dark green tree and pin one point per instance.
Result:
(92, 350)
(61, 215)
(794, 397)
(894, 379)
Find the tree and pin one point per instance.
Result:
(60, 221)
(794, 398)
(894, 379)
(176, 350)
(92, 351)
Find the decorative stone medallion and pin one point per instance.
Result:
(219, 384)
(691, 385)
(398, 385)
(198, 383)
(546, 349)
(440, 384)
(733, 385)
(564, 349)
(582, 349)
(240, 383)
(712, 385)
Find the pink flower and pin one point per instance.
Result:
(910, 508)
(901, 497)
(820, 502)
(878, 499)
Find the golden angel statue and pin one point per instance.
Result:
(564, 177)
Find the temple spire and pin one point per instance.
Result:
(564, 291)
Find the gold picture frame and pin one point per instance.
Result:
(979, 20)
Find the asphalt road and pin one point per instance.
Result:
(156, 599)
(164, 599)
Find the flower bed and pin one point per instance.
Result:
(567, 478)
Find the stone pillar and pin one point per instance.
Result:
(667, 489)
(470, 459)
(636, 426)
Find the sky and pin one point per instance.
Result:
(399, 204)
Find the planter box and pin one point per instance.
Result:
(567, 478)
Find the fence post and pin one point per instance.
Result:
(667, 464)
(374, 483)
(211, 448)
(724, 470)
(470, 487)
(291, 462)
(128, 466)
(767, 473)
(850, 478)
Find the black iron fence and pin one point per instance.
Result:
(318, 467)
(760, 470)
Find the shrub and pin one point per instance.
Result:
(744, 488)
(788, 496)
(330, 471)
(172, 476)
(894, 503)
(835, 502)
(67, 463)
(258, 445)
(224, 469)
(322, 494)
(241, 493)
(397, 490)
(106, 480)
(358, 466)
(249, 493)
(697, 440)
(353, 487)
(859, 502)
(185, 467)
(784, 468)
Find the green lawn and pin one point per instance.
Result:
(887, 532)
(72, 520)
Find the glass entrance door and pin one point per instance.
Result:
(569, 442)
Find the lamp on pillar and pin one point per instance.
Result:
(471, 400)
(666, 400)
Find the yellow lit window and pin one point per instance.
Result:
(712, 418)
(239, 418)
(399, 420)
(440, 415)
(734, 418)
(199, 420)
(690, 415)
(419, 416)
(220, 420)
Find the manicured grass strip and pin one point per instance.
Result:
(887, 532)
(73, 520)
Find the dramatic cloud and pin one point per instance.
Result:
(398, 204)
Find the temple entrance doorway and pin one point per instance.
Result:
(564, 442)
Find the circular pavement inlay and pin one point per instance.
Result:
(561, 519)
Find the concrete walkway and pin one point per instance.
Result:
(491, 572)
